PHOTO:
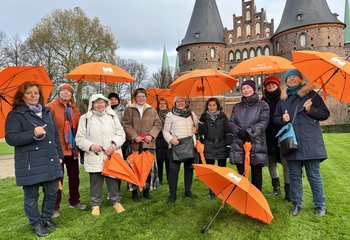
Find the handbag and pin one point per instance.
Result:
(287, 141)
(184, 151)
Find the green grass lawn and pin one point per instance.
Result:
(155, 219)
(5, 149)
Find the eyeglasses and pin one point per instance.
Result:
(142, 96)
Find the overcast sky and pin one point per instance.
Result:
(142, 27)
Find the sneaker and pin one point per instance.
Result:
(320, 211)
(295, 210)
(41, 231)
(51, 224)
(80, 206)
(276, 191)
(56, 214)
(95, 211)
(118, 208)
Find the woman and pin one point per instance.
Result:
(162, 146)
(248, 123)
(142, 126)
(30, 128)
(180, 123)
(271, 95)
(311, 149)
(213, 124)
(99, 135)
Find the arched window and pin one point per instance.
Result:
(258, 51)
(266, 51)
(278, 48)
(230, 38)
(252, 53)
(245, 54)
(188, 55)
(257, 29)
(238, 55)
(248, 30)
(212, 52)
(239, 32)
(267, 32)
(230, 56)
(302, 40)
(247, 16)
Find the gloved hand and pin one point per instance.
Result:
(243, 134)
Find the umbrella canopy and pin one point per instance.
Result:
(261, 65)
(156, 94)
(206, 82)
(142, 164)
(325, 70)
(100, 72)
(115, 166)
(236, 190)
(11, 78)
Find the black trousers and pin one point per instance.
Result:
(174, 168)
(221, 162)
(256, 173)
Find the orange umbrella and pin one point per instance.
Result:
(142, 164)
(261, 65)
(247, 147)
(235, 190)
(100, 72)
(11, 78)
(156, 94)
(326, 71)
(205, 82)
(115, 166)
(200, 150)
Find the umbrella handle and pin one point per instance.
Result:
(205, 228)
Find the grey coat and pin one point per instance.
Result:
(36, 161)
(306, 125)
(253, 115)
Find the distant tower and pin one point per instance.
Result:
(204, 43)
(347, 28)
(308, 25)
(177, 67)
(166, 78)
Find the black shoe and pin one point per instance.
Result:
(51, 224)
(295, 210)
(320, 211)
(135, 196)
(211, 195)
(146, 195)
(276, 191)
(171, 199)
(190, 195)
(41, 231)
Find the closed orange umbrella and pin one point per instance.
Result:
(235, 190)
(11, 78)
(326, 71)
(200, 150)
(247, 147)
(154, 95)
(100, 72)
(261, 65)
(205, 82)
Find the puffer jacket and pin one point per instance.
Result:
(98, 128)
(306, 124)
(252, 115)
(36, 161)
(134, 125)
(216, 136)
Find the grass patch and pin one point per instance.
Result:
(6, 149)
(155, 219)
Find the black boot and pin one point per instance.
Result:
(287, 191)
(146, 194)
(135, 196)
(276, 186)
(211, 195)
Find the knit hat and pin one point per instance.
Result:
(113, 94)
(273, 79)
(65, 86)
(180, 97)
(292, 72)
(250, 83)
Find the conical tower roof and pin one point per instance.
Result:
(299, 13)
(205, 24)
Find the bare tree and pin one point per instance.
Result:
(3, 56)
(12, 51)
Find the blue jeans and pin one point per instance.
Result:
(31, 195)
(312, 168)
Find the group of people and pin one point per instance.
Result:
(47, 137)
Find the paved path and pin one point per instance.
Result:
(7, 168)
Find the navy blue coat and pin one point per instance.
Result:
(306, 125)
(36, 161)
(253, 115)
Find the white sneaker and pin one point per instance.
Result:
(56, 214)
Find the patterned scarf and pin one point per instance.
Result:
(36, 109)
(181, 113)
(69, 130)
(213, 116)
(162, 114)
